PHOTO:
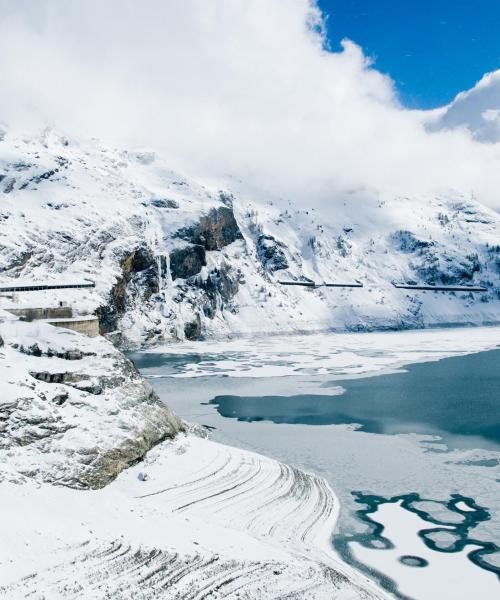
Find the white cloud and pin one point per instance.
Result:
(229, 86)
(491, 115)
(477, 110)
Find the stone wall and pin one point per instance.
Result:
(85, 325)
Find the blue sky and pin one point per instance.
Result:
(433, 49)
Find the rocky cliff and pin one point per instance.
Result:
(174, 258)
(74, 411)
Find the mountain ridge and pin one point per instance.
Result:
(174, 258)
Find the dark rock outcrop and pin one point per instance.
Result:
(406, 241)
(139, 278)
(447, 270)
(192, 330)
(213, 231)
(67, 354)
(220, 287)
(271, 253)
(81, 382)
(164, 203)
(186, 262)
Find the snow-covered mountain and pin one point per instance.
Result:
(173, 257)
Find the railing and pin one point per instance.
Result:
(439, 288)
(45, 286)
(312, 284)
(403, 286)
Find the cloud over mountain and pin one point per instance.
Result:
(477, 110)
(245, 88)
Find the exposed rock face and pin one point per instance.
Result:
(74, 422)
(213, 231)
(192, 330)
(220, 287)
(433, 265)
(139, 277)
(164, 203)
(69, 354)
(406, 241)
(271, 253)
(447, 270)
(188, 261)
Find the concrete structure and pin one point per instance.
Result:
(59, 316)
(88, 325)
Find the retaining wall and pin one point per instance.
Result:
(86, 325)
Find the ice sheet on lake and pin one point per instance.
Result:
(459, 578)
(325, 354)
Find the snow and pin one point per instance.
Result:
(386, 465)
(181, 518)
(95, 204)
(209, 521)
(459, 576)
(335, 354)
(73, 409)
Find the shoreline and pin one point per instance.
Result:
(105, 495)
(207, 519)
(216, 361)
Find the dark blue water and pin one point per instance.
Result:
(456, 398)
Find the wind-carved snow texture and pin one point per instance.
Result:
(194, 520)
(173, 258)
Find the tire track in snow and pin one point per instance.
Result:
(279, 517)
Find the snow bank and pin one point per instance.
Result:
(195, 519)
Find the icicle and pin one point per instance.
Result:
(168, 273)
(160, 278)
(163, 268)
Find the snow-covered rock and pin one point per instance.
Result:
(174, 258)
(73, 410)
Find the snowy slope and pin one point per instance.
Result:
(175, 258)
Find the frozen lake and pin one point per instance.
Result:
(418, 446)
